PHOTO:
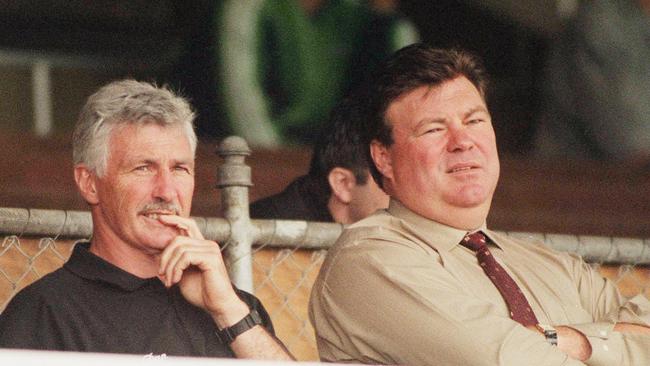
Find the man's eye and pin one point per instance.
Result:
(475, 121)
(182, 169)
(142, 168)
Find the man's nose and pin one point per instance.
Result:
(164, 189)
(459, 139)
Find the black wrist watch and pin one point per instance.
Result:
(549, 333)
(227, 335)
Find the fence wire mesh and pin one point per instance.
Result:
(283, 278)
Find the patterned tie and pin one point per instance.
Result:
(517, 304)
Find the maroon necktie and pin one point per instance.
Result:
(517, 304)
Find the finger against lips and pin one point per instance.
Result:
(183, 223)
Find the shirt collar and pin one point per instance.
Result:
(437, 235)
(87, 265)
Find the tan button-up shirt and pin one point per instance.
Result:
(398, 288)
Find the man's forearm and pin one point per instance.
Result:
(577, 346)
(259, 344)
(573, 343)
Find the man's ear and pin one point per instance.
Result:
(382, 158)
(342, 182)
(86, 183)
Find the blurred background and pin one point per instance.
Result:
(82, 44)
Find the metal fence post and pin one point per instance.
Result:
(234, 178)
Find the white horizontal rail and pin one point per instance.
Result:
(63, 60)
(58, 358)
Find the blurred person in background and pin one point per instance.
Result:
(597, 103)
(283, 64)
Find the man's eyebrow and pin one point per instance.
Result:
(427, 120)
(478, 108)
(183, 162)
(149, 161)
(469, 112)
(140, 160)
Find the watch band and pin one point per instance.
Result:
(549, 333)
(227, 335)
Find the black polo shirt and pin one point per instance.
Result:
(92, 305)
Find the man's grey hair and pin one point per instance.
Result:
(122, 103)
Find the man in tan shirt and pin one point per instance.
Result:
(399, 288)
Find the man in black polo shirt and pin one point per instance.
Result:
(148, 282)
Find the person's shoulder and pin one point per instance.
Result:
(283, 205)
(380, 238)
(30, 310)
(46, 289)
(295, 202)
(380, 227)
(264, 208)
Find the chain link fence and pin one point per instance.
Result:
(282, 273)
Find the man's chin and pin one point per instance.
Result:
(159, 239)
(470, 197)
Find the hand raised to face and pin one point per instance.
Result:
(197, 266)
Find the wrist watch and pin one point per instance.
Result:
(227, 335)
(549, 333)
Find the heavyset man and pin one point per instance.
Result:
(425, 282)
(147, 282)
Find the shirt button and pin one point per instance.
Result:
(605, 347)
(603, 333)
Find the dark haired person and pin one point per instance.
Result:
(425, 282)
(338, 186)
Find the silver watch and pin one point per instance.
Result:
(549, 333)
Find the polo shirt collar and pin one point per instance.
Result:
(87, 265)
(438, 236)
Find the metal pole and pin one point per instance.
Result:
(234, 178)
(42, 98)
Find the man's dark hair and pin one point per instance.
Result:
(408, 69)
(340, 144)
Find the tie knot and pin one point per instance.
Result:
(474, 241)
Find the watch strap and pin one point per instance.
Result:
(228, 335)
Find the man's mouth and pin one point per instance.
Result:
(154, 215)
(462, 168)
